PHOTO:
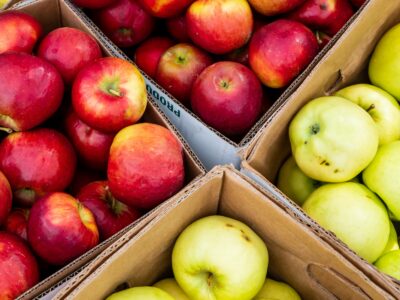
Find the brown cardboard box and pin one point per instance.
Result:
(298, 255)
(346, 63)
(57, 13)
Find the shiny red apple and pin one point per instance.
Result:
(177, 28)
(274, 7)
(37, 162)
(165, 8)
(111, 215)
(56, 48)
(93, 4)
(17, 222)
(5, 198)
(60, 229)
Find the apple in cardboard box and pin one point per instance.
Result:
(228, 97)
(219, 26)
(93, 4)
(178, 69)
(17, 222)
(165, 8)
(274, 7)
(31, 91)
(111, 215)
(19, 32)
(18, 267)
(56, 49)
(273, 289)
(109, 94)
(37, 162)
(5, 198)
(145, 166)
(389, 264)
(60, 228)
(170, 286)
(142, 292)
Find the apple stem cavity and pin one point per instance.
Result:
(27, 195)
(315, 129)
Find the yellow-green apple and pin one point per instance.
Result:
(56, 48)
(276, 290)
(177, 28)
(109, 94)
(279, 51)
(217, 257)
(93, 4)
(148, 54)
(274, 7)
(5, 198)
(357, 3)
(380, 105)
(294, 183)
(17, 222)
(170, 286)
(165, 8)
(145, 166)
(228, 97)
(389, 264)
(179, 67)
(19, 32)
(18, 267)
(381, 176)
(326, 15)
(142, 292)
(384, 65)
(91, 145)
(82, 177)
(354, 214)
(60, 228)
(393, 243)
(333, 139)
(125, 22)
(322, 38)
(219, 26)
(36, 162)
(32, 90)
(111, 215)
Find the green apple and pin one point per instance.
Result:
(143, 292)
(382, 176)
(384, 66)
(393, 243)
(354, 214)
(380, 105)
(294, 183)
(170, 286)
(217, 257)
(275, 290)
(333, 139)
(389, 263)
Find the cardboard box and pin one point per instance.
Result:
(345, 64)
(219, 149)
(57, 13)
(297, 253)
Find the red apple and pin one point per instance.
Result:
(357, 3)
(93, 4)
(125, 22)
(322, 38)
(148, 54)
(179, 67)
(145, 165)
(177, 28)
(60, 229)
(56, 48)
(18, 267)
(17, 222)
(111, 215)
(274, 7)
(19, 32)
(36, 162)
(240, 55)
(279, 51)
(92, 146)
(31, 91)
(326, 15)
(5, 198)
(228, 97)
(109, 94)
(165, 8)
(81, 178)
(219, 26)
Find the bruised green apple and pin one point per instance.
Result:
(380, 105)
(393, 243)
(333, 139)
(217, 257)
(354, 214)
(144, 292)
(275, 290)
(382, 176)
(170, 286)
(389, 264)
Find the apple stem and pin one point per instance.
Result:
(371, 107)
(5, 129)
(114, 92)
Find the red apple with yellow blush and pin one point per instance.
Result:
(17, 222)
(5, 198)
(274, 7)
(165, 8)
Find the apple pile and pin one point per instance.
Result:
(216, 257)
(75, 165)
(345, 163)
(215, 56)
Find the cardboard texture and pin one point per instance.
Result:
(219, 149)
(345, 64)
(298, 255)
(57, 13)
